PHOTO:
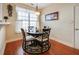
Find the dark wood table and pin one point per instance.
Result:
(35, 34)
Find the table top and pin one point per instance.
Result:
(35, 33)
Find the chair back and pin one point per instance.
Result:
(47, 32)
(23, 34)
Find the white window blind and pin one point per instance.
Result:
(25, 18)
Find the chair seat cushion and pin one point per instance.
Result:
(29, 37)
(41, 39)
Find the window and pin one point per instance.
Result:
(25, 18)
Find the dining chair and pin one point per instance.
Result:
(46, 44)
(27, 40)
(44, 39)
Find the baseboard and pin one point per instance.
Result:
(11, 40)
(62, 42)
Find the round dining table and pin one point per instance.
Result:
(35, 34)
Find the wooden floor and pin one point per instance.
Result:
(15, 48)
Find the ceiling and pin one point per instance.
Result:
(40, 5)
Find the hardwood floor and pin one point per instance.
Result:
(14, 48)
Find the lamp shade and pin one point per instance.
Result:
(37, 13)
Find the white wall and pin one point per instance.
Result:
(61, 29)
(76, 8)
(2, 32)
